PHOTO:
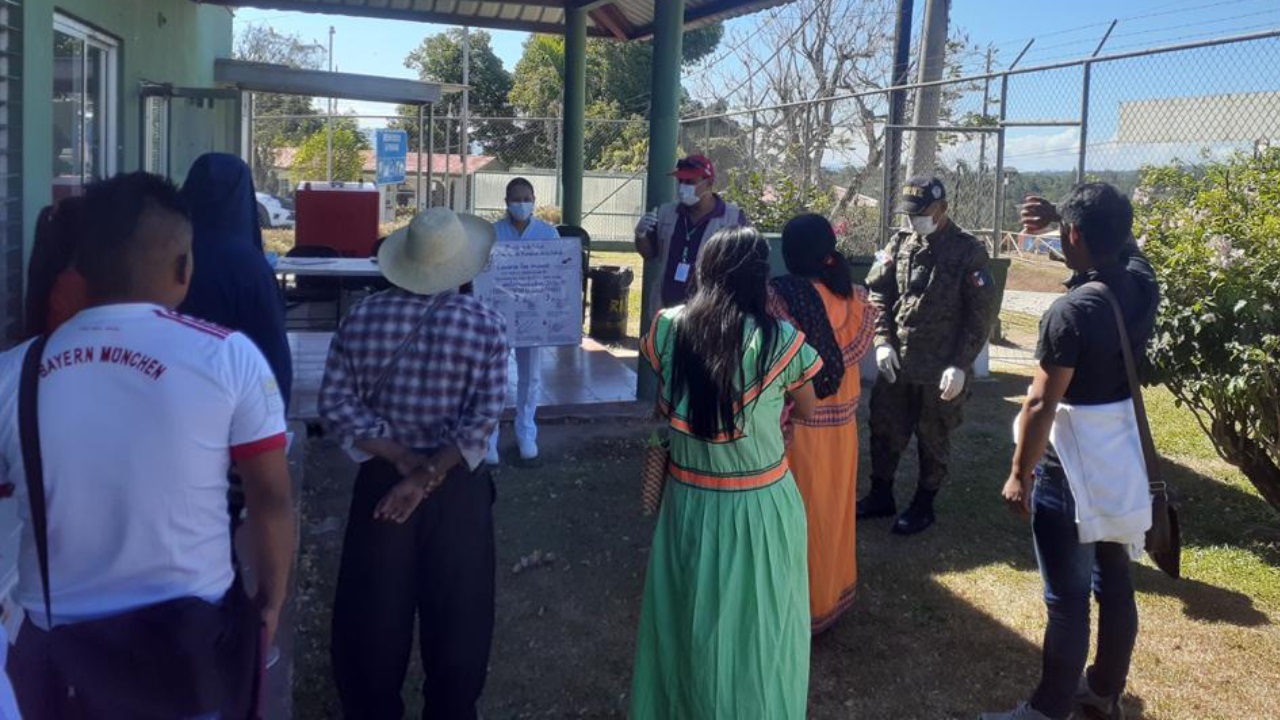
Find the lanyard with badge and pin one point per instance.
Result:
(682, 269)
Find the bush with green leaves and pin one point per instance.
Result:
(1213, 234)
(770, 202)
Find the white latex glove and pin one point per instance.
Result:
(647, 224)
(952, 383)
(887, 361)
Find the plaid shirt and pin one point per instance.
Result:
(447, 388)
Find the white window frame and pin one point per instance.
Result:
(109, 87)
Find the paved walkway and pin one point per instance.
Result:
(1030, 303)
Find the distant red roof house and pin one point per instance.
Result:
(439, 164)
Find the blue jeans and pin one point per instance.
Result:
(1070, 569)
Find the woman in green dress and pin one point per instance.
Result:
(724, 631)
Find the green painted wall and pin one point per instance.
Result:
(161, 41)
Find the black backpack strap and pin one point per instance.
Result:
(32, 461)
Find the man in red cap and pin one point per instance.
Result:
(673, 233)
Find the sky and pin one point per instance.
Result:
(1062, 31)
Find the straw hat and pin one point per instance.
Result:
(438, 250)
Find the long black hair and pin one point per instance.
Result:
(809, 250)
(59, 232)
(707, 364)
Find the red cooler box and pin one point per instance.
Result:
(343, 216)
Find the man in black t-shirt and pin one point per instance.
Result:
(1081, 364)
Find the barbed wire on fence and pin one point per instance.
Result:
(1010, 131)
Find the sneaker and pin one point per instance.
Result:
(877, 505)
(1024, 711)
(528, 449)
(1092, 706)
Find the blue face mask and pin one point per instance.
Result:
(520, 211)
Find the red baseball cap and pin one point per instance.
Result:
(695, 167)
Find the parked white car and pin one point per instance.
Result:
(272, 213)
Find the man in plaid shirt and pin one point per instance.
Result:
(414, 386)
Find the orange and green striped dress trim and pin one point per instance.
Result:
(751, 455)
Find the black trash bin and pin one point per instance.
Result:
(610, 288)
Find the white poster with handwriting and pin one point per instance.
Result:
(537, 286)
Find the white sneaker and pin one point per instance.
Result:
(528, 449)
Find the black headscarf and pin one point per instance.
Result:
(233, 285)
(809, 250)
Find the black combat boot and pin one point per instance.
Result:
(919, 517)
(878, 503)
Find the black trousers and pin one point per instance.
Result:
(437, 566)
(900, 410)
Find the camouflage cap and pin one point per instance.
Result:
(919, 193)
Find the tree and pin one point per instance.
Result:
(311, 160)
(618, 94)
(439, 60)
(1213, 241)
(802, 63)
(280, 120)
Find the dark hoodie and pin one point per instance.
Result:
(233, 285)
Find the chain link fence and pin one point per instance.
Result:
(468, 174)
(1001, 136)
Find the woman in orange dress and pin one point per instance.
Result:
(818, 297)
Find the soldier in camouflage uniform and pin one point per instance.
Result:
(934, 292)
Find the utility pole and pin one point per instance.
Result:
(464, 134)
(328, 158)
(933, 55)
(897, 114)
(986, 112)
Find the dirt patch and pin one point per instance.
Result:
(565, 636)
(945, 625)
(1036, 273)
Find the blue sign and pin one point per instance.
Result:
(392, 152)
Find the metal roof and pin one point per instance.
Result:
(620, 19)
(264, 77)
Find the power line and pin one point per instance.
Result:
(773, 17)
(784, 44)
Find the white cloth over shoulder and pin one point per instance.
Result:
(1101, 455)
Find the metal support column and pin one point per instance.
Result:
(1084, 122)
(1000, 140)
(999, 200)
(421, 138)
(1084, 104)
(431, 155)
(575, 103)
(464, 125)
(448, 160)
(664, 132)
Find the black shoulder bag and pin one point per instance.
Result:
(1164, 539)
(180, 658)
